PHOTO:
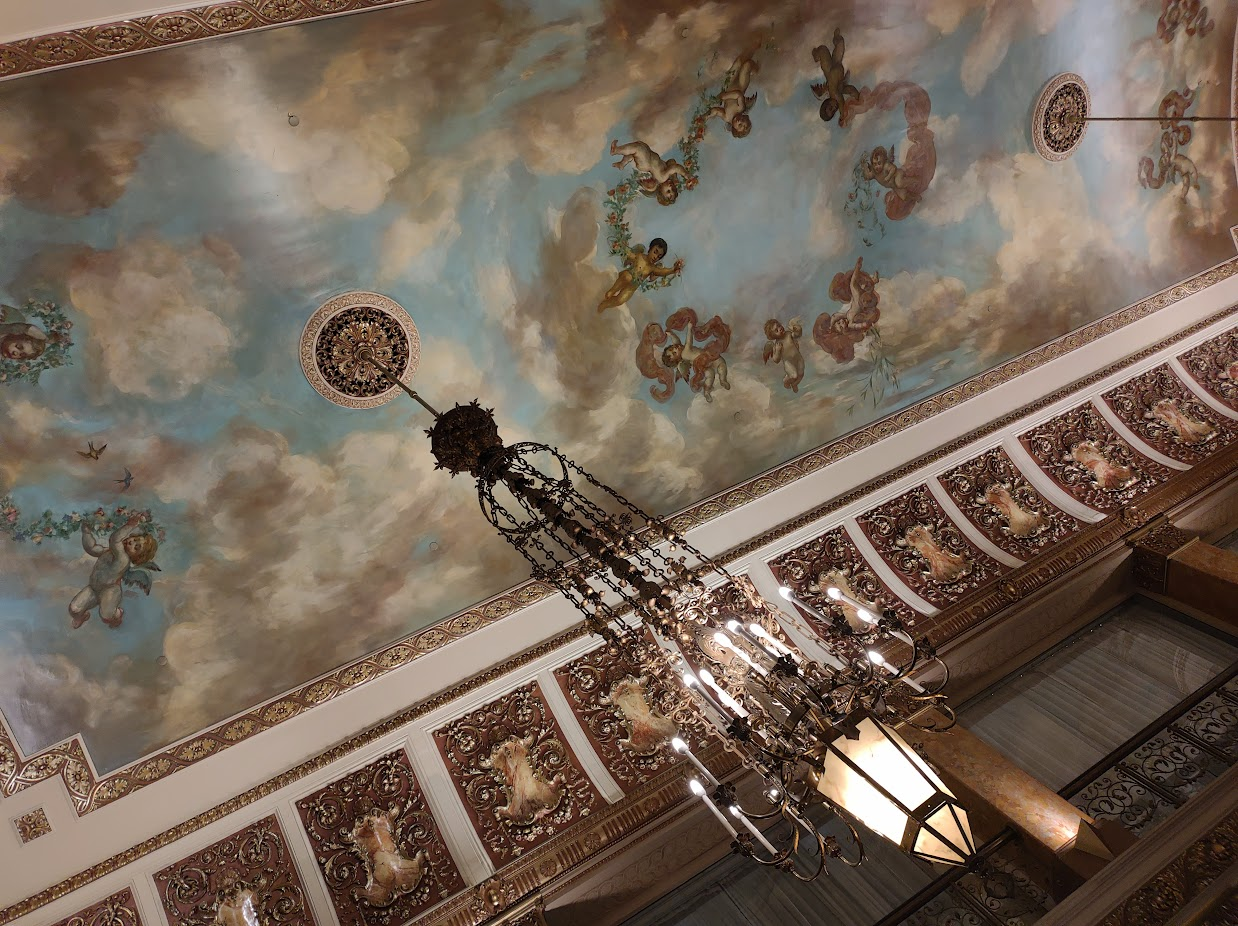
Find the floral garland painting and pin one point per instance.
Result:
(33, 339)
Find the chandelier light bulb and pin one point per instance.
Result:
(733, 625)
(697, 788)
(708, 678)
(722, 640)
(833, 592)
(865, 616)
(689, 680)
(875, 658)
(786, 593)
(773, 794)
(679, 745)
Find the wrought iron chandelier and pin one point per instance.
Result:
(813, 716)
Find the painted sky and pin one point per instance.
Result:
(455, 156)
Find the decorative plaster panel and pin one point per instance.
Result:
(1159, 408)
(381, 853)
(248, 877)
(919, 542)
(516, 773)
(118, 910)
(1214, 365)
(30, 826)
(833, 559)
(999, 501)
(1082, 454)
(628, 717)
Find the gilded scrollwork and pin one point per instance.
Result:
(516, 773)
(627, 712)
(997, 498)
(246, 878)
(915, 537)
(1166, 415)
(120, 909)
(1086, 457)
(1214, 365)
(30, 826)
(380, 851)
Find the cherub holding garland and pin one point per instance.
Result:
(639, 267)
(125, 557)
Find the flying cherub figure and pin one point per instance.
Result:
(734, 103)
(838, 334)
(834, 90)
(19, 340)
(783, 347)
(639, 266)
(125, 558)
(657, 176)
(701, 366)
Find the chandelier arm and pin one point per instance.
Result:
(367, 354)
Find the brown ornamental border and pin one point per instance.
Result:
(89, 792)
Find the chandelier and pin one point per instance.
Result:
(810, 711)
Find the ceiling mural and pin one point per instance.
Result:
(684, 241)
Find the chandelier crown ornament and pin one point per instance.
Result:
(811, 711)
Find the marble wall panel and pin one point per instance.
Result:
(1080, 452)
(999, 502)
(1167, 416)
(381, 853)
(916, 538)
(248, 877)
(1214, 365)
(118, 910)
(515, 773)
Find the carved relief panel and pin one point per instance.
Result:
(1214, 365)
(118, 910)
(629, 716)
(249, 878)
(1167, 416)
(928, 551)
(380, 851)
(833, 560)
(515, 773)
(999, 501)
(1085, 456)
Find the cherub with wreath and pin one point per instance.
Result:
(640, 266)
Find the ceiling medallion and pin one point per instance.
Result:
(337, 334)
(1059, 119)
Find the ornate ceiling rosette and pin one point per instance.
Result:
(999, 501)
(379, 810)
(1058, 124)
(1214, 365)
(337, 336)
(1085, 456)
(833, 560)
(516, 773)
(248, 876)
(1158, 407)
(120, 909)
(913, 534)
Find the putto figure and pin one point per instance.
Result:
(124, 558)
(782, 345)
(647, 728)
(1189, 430)
(390, 873)
(701, 365)
(1106, 474)
(657, 176)
(837, 86)
(530, 797)
(838, 334)
(944, 566)
(639, 267)
(734, 102)
(1019, 521)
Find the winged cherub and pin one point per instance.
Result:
(838, 334)
(124, 558)
(657, 175)
(836, 88)
(701, 365)
(638, 267)
(783, 346)
(733, 102)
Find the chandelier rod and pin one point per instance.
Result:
(367, 354)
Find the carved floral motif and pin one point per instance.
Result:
(913, 534)
(248, 879)
(30, 826)
(628, 715)
(118, 910)
(1214, 365)
(1083, 455)
(1167, 416)
(516, 773)
(833, 560)
(380, 851)
(1004, 506)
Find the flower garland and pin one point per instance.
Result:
(882, 376)
(56, 351)
(862, 205)
(48, 526)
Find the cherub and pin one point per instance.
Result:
(125, 558)
(389, 872)
(1172, 165)
(639, 266)
(1105, 473)
(701, 366)
(1020, 521)
(783, 346)
(838, 334)
(19, 340)
(657, 176)
(835, 89)
(1189, 430)
(530, 797)
(944, 566)
(879, 165)
(734, 105)
(1177, 12)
